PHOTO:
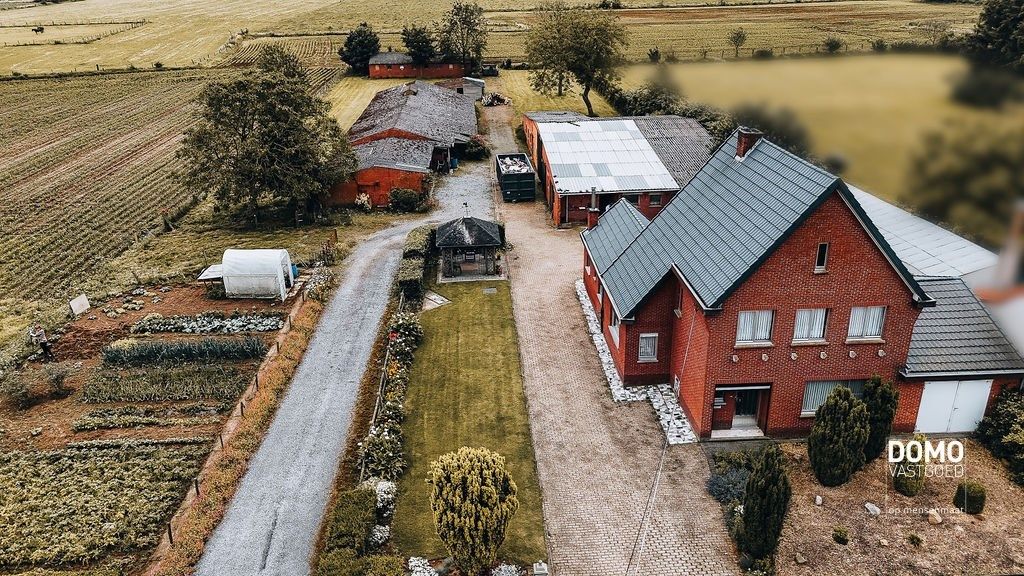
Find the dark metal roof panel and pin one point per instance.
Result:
(958, 335)
(619, 225)
(469, 232)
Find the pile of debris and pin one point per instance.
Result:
(496, 99)
(513, 165)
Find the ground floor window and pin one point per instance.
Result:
(648, 347)
(815, 393)
(613, 327)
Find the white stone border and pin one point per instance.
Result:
(670, 415)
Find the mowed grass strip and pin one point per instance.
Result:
(466, 389)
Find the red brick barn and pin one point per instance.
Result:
(400, 65)
(403, 134)
(587, 163)
(765, 284)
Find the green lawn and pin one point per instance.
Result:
(466, 389)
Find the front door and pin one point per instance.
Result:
(746, 409)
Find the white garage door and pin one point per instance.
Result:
(955, 406)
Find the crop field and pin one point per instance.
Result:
(873, 111)
(76, 33)
(312, 51)
(77, 505)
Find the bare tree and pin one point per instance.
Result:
(738, 38)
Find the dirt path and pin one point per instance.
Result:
(271, 524)
(597, 460)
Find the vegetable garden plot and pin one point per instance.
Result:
(77, 505)
(160, 383)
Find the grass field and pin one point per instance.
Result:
(466, 390)
(872, 110)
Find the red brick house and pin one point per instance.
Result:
(403, 134)
(399, 65)
(587, 162)
(765, 284)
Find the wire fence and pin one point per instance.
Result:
(382, 383)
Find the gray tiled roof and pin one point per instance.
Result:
(421, 108)
(682, 144)
(400, 153)
(718, 229)
(468, 232)
(618, 226)
(957, 335)
(390, 57)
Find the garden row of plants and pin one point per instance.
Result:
(192, 414)
(166, 383)
(79, 504)
(211, 322)
(358, 523)
(142, 352)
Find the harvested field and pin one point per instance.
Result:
(312, 51)
(77, 33)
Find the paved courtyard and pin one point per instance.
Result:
(597, 460)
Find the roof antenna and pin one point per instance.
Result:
(465, 206)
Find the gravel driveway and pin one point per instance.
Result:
(272, 523)
(597, 460)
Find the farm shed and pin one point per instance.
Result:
(469, 246)
(590, 163)
(399, 65)
(256, 273)
(404, 133)
(473, 87)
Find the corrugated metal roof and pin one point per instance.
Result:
(421, 108)
(399, 153)
(725, 221)
(619, 225)
(957, 335)
(390, 57)
(617, 145)
(925, 248)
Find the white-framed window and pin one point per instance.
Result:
(821, 259)
(613, 326)
(866, 322)
(754, 326)
(648, 347)
(810, 324)
(654, 200)
(816, 392)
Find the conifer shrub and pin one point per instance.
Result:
(907, 476)
(881, 399)
(836, 443)
(765, 503)
(970, 497)
(473, 499)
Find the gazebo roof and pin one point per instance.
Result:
(469, 232)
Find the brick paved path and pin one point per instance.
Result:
(597, 460)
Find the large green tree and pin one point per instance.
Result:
(275, 59)
(836, 443)
(361, 44)
(462, 35)
(419, 43)
(589, 52)
(473, 499)
(263, 137)
(998, 38)
(969, 176)
(765, 502)
(881, 398)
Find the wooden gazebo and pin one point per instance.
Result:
(469, 247)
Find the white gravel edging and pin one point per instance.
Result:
(670, 415)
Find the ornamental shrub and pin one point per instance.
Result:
(407, 326)
(881, 399)
(836, 443)
(405, 200)
(381, 451)
(970, 497)
(1007, 412)
(730, 486)
(908, 477)
(765, 503)
(385, 566)
(340, 562)
(841, 535)
(476, 149)
(473, 499)
(352, 520)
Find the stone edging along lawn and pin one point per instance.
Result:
(241, 436)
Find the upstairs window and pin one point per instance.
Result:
(821, 260)
(648, 348)
(866, 322)
(810, 325)
(755, 327)
(633, 199)
(655, 200)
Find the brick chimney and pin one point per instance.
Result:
(745, 140)
(593, 214)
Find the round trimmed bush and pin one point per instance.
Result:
(970, 497)
(908, 477)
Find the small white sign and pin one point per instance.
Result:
(79, 305)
